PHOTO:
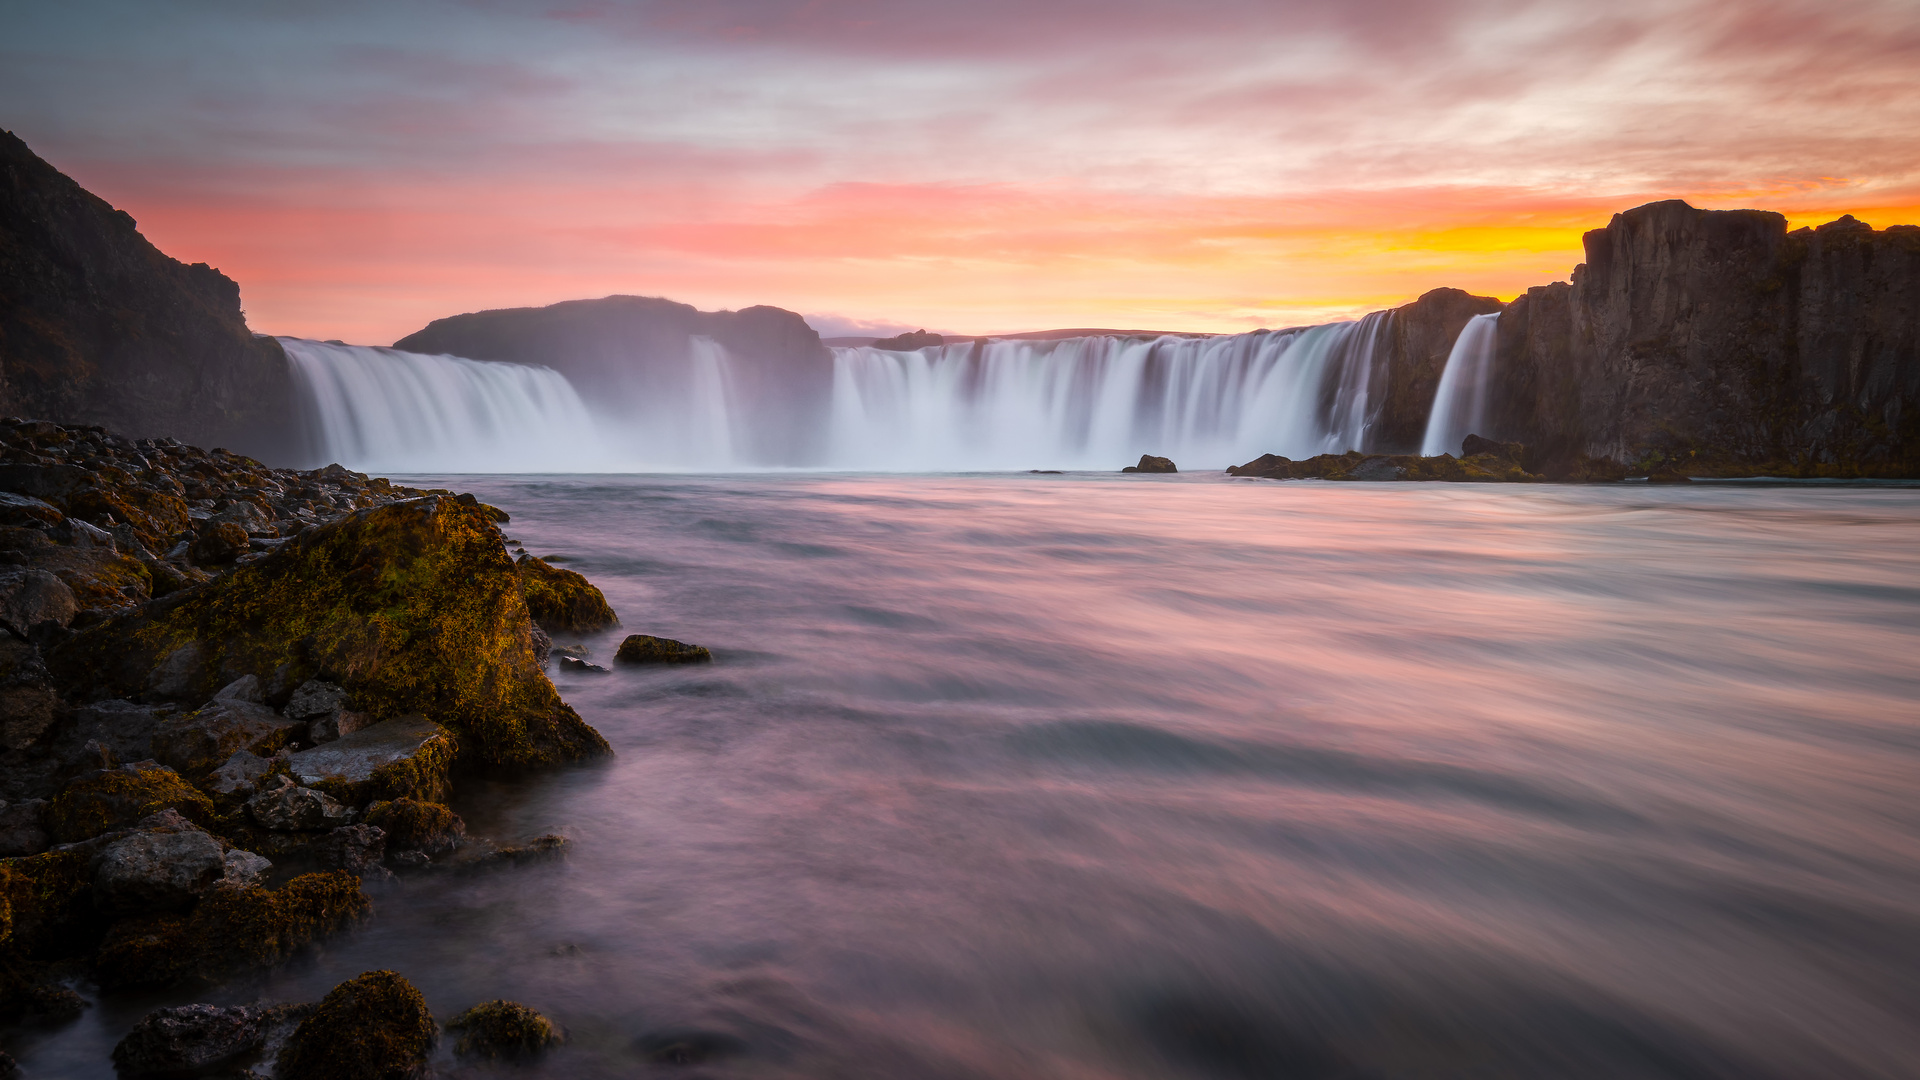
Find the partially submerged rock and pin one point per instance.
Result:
(1150, 464)
(373, 1027)
(503, 1029)
(357, 849)
(231, 928)
(188, 1039)
(429, 828)
(412, 607)
(647, 649)
(1353, 465)
(407, 756)
(561, 600)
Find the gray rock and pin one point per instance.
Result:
(286, 807)
(247, 516)
(239, 774)
(353, 758)
(156, 871)
(244, 688)
(337, 724)
(86, 537)
(315, 698)
(359, 849)
(245, 868)
(123, 727)
(200, 741)
(31, 597)
(27, 512)
(178, 672)
(188, 1039)
(23, 828)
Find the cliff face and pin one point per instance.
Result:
(1420, 337)
(97, 326)
(622, 351)
(1721, 343)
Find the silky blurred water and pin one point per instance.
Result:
(1099, 776)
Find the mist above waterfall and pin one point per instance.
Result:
(1090, 402)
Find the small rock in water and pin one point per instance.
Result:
(1151, 464)
(568, 663)
(502, 1029)
(647, 649)
(187, 1039)
(374, 1026)
(357, 849)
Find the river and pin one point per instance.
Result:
(1091, 776)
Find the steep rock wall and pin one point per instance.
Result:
(97, 326)
(1420, 337)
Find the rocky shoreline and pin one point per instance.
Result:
(231, 698)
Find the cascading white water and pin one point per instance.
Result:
(388, 410)
(1092, 402)
(1460, 403)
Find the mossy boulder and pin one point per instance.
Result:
(229, 930)
(563, 601)
(46, 901)
(502, 1029)
(374, 1027)
(107, 799)
(412, 825)
(414, 607)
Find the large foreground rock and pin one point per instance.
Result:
(413, 607)
(157, 871)
(186, 1039)
(367, 1028)
(563, 601)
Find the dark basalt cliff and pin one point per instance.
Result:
(627, 349)
(1718, 342)
(1419, 338)
(97, 326)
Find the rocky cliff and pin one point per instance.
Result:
(627, 349)
(97, 326)
(1718, 342)
(1418, 339)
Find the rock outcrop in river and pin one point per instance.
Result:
(215, 676)
(97, 326)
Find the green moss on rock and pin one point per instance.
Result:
(229, 930)
(45, 902)
(503, 1029)
(412, 825)
(116, 798)
(374, 1027)
(647, 649)
(413, 606)
(561, 600)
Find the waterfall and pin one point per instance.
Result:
(387, 410)
(1092, 402)
(1098, 402)
(1460, 404)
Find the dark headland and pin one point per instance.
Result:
(232, 695)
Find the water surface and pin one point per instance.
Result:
(1104, 777)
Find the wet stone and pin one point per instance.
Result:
(188, 1039)
(286, 807)
(156, 871)
(647, 649)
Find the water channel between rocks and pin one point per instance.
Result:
(1091, 776)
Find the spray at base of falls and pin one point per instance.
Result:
(1093, 402)
(1460, 402)
(393, 411)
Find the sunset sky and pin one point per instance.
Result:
(994, 165)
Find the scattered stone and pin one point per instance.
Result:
(646, 649)
(27, 512)
(336, 725)
(23, 828)
(219, 542)
(1151, 464)
(156, 871)
(315, 698)
(562, 600)
(503, 1029)
(245, 868)
(244, 688)
(368, 1028)
(31, 597)
(186, 1039)
(229, 929)
(199, 742)
(239, 774)
(357, 849)
(568, 663)
(405, 756)
(178, 672)
(284, 806)
(124, 727)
